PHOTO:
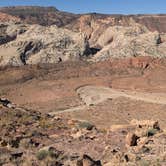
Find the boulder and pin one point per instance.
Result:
(6, 103)
(145, 124)
(88, 161)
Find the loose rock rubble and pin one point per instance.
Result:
(55, 140)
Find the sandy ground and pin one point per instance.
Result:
(91, 95)
(116, 93)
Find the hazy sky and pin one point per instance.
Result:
(100, 6)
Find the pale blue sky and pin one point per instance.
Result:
(99, 6)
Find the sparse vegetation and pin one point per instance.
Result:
(42, 154)
(44, 123)
(151, 132)
(144, 162)
(86, 125)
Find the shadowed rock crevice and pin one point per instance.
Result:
(29, 49)
(91, 51)
(94, 50)
(5, 39)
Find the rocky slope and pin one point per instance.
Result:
(59, 141)
(37, 130)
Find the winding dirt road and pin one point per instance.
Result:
(92, 95)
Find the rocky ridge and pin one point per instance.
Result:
(51, 15)
(22, 44)
(130, 41)
(39, 15)
(96, 36)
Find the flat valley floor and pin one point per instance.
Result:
(104, 93)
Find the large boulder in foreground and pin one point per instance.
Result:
(40, 44)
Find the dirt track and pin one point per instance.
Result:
(94, 94)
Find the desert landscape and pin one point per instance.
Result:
(82, 89)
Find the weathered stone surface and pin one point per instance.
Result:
(43, 45)
(88, 161)
(133, 41)
(146, 124)
(9, 31)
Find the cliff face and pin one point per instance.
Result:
(152, 22)
(51, 15)
(40, 15)
(95, 28)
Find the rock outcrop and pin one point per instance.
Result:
(33, 44)
(133, 41)
(9, 31)
(22, 44)
(72, 36)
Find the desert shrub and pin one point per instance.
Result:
(157, 163)
(44, 123)
(144, 163)
(86, 125)
(151, 132)
(25, 143)
(146, 149)
(104, 131)
(42, 154)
